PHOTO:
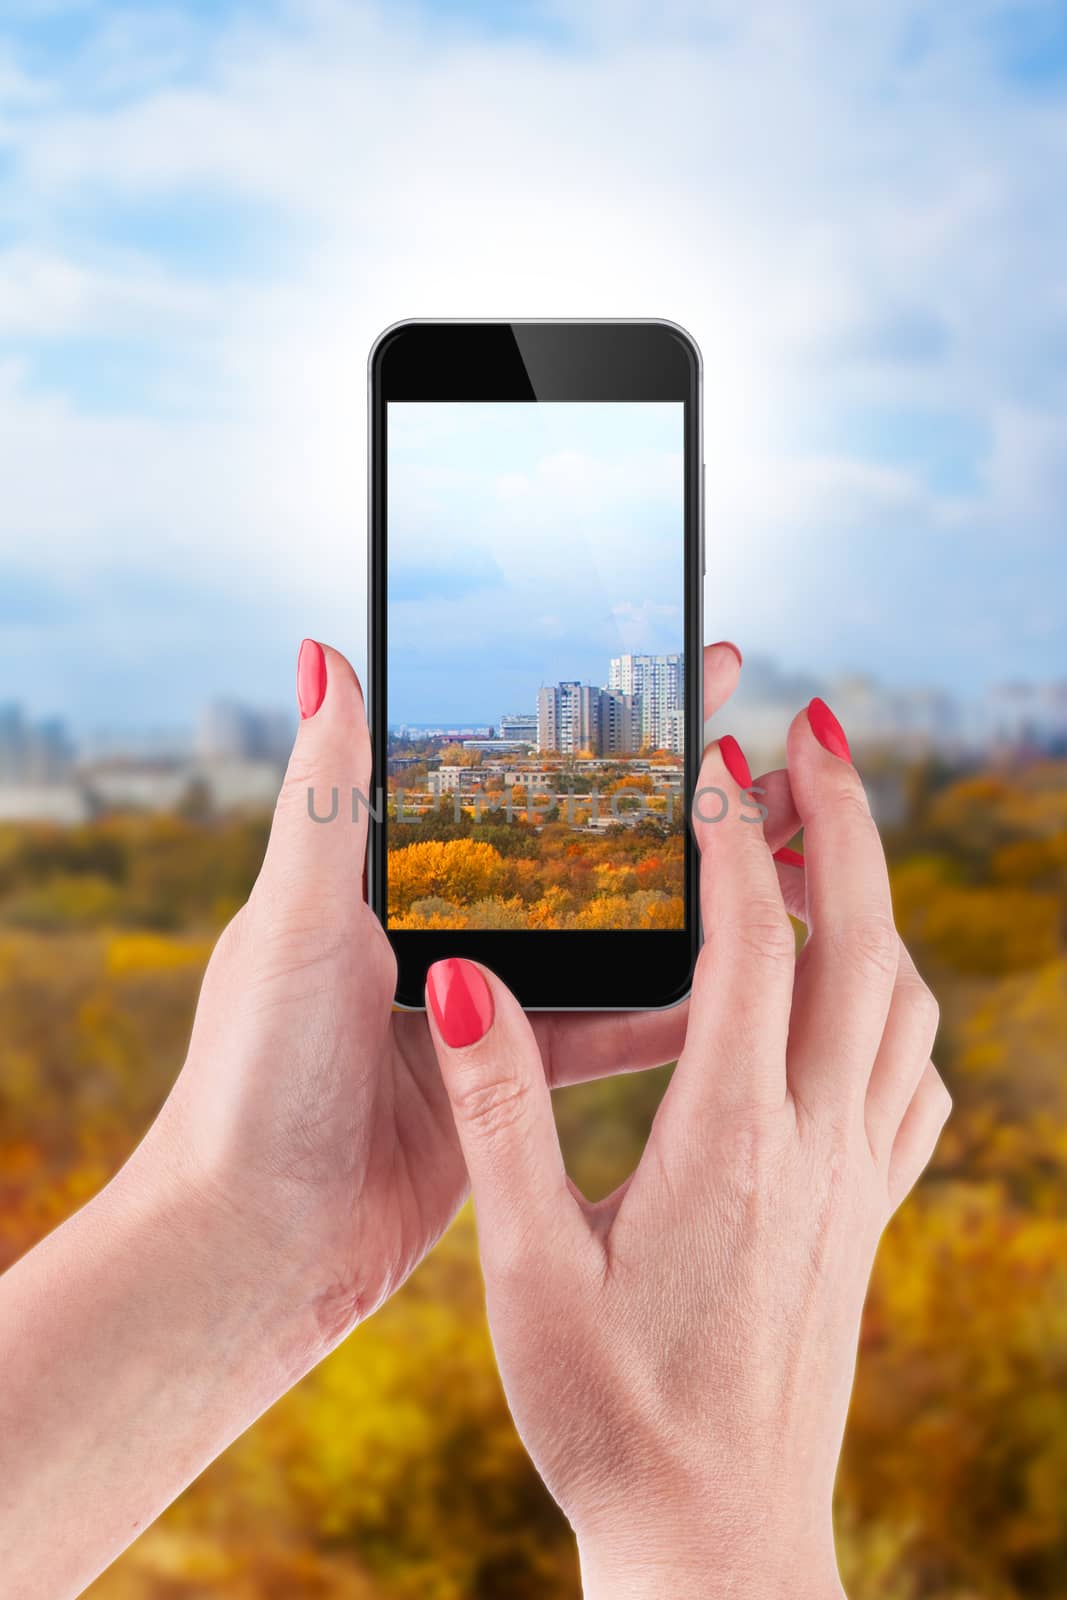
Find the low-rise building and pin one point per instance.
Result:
(446, 780)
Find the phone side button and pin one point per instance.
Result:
(703, 519)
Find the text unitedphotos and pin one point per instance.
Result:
(752, 808)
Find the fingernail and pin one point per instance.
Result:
(310, 678)
(460, 1000)
(791, 858)
(734, 760)
(728, 644)
(827, 729)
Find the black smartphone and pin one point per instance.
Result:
(536, 577)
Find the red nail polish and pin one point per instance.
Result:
(791, 858)
(460, 1000)
(734, 760)
(728, 644)
(310, 678)
(827, 729)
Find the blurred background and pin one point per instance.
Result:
(207, 211)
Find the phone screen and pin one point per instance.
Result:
(535, 605)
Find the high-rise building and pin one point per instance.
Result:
(33, 752)
(572, 717)
(620, 724)
(1015, 715)
(548, 718)
(568, 718)
(675, 731)
(230, 731)
(658, 684)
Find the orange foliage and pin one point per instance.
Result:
(393, 1471)
(565, 880)
(459, 870)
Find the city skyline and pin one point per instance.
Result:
(639, 707)
(154, 768)
(639, 701)
(1008, 708)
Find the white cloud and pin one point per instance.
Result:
(47, 294)
(849, 208)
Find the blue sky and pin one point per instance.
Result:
(209, 210)
(528, 544)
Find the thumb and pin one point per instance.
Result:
(502, 1108)
(318, 838)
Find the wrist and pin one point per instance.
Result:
(233, 1269)
(173, 1337)
(683, 1565)
(711, 1581)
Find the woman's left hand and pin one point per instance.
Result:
(304, 1162)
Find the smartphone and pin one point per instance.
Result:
(536, 577)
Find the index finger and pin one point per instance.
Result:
(848, 966)
(579, 1045)
(734, 1055)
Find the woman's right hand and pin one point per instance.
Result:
(678, 1358)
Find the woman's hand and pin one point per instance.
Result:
(304, 1162)
(679, 1357)
(307, 1105)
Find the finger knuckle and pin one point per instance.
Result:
(384, 963)
(868, 945)
(761, 929)
(490, 1106)
(849, 802)
(301, 781)
(922, 1003)
(766, 936)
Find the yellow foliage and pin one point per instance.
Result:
(668, 912)
(468, 883)
(153, 952)
(975, 928)
(460, 870)
(393, 1471)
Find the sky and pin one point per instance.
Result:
(209, 210)
(528, 544)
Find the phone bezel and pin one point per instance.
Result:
(599, 359)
